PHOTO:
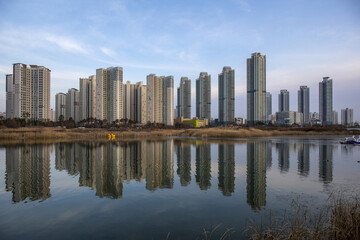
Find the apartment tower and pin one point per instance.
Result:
(87, 99)
(72, 104)
(284, 100)
(304, 103)
(268, 106)
(226, 95)
(326, 101)
(60, 107)
(347, 116)
(203, 96)
(9, 96)
(256, 88)
(184, 98)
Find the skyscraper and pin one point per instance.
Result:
(72, 104)
(226, 95)
(256, 88)
(268, 105)
(141, 103)
(109, 94)
(87, 99)
(9, 96)
(284, 100)
(347, 117)
(184, 98)
(326, 101)
(160, 99)
(203, 96)
(335, 117)
(304, 103)
(31, 91)
(60, 106)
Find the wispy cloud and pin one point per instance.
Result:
(107, 51)
(66, 44)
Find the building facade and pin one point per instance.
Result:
(60, 107)
(87, 99)
(226, 95)
(72, 105)
(304, 103)
(289, 118)
(326, 101)
(184, 98)
(203, 96)
(268, 106)
(9, 96)
(347, 117)
(335, 117)
(256, 88)
(284, 101)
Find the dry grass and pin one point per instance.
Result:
(340, 220)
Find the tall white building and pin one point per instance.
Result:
(31, 92)
(304, 103)
(160, 99)
(72, 104)
(256, 88)
(268, 106)
(227, 95)
(284, 101)
(347, 116)
(60, 106)
(203, 96)
(109, 94)
(326, 101)
(87, 99)
(9, 96)
(335, 117)
(184, 98)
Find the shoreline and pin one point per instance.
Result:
(58, 134)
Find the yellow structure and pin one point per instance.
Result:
(194, 122)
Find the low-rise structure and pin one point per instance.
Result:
(289, 118)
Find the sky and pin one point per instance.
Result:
(303, 41)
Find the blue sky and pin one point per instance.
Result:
(302, 40)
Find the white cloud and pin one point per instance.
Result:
(108, 52)
(66, 43)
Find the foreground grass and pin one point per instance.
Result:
(53, 133)
(340, 220)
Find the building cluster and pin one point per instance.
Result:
(106, 97)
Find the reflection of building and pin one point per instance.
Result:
(28, 172)
(268, 155)
(203, 166)
(325, 163)
(283, 152)
(159, 170)
(226, 169)
(303, 159)
(184, 163)
(256, 174)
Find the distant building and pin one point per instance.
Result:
(335, 117)
(326, 101)
(304, 103)
(87, 99)
(268, 105)
(347, 117)
(256, 88)
(141, 102)
(9, 96)
(184, 98)
(289, 118)
(226, 95)
(314, 118)
(284, 101)
(203, 96)
(240, 121)
(30, 90)
(60, 106)
(72, 104)
(52, 115)
(109, 94)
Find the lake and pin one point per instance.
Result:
(149, 188)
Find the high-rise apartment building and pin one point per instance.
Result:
(326, 101)
(227, 95)
(31, 92)
(184, 98)
(9, 96)
(335, 117)
(203, 96)
(268, 106)
(347, 116)
(284, 100)
(87, 99)
(72, 104)
(256, 88)
(135, 102)
(160, 99)
(60, 107)
(109, 94)
(141, 103)
(304, 103)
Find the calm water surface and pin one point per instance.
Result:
(145, 189)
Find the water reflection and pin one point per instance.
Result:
(256, 174)
(28, 172)
(105, 167)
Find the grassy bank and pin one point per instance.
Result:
(57, 133)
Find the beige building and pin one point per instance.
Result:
(87, 98)
(109, 94)
(203, 96)
(135, 102)
(31, 92)
(72, 104)
(289, 118)
(60, 106)
(141, 102)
